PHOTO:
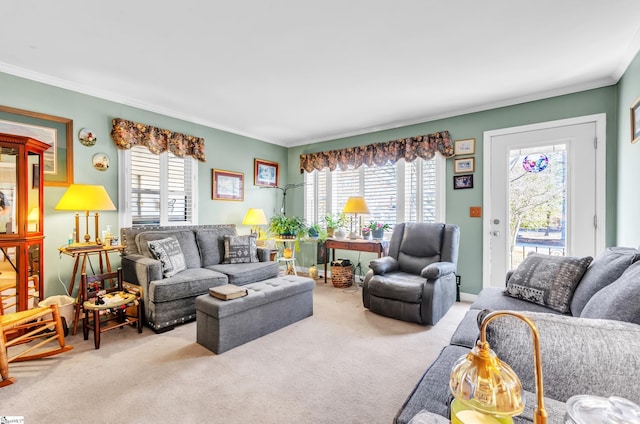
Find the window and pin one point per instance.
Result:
(400, 192)
(156, 189)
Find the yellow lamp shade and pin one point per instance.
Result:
(255, 216)
(84, 197)
(356, 204)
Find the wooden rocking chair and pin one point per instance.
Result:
(27, 326)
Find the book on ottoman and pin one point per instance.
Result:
(227, 292)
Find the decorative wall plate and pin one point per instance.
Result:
(101, 161)
(87, 137)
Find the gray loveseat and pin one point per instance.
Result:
(169, 301)
(593, 349)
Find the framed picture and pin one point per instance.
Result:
(53, 130)
(464, 147)
(265, 173)
(462, 181)
(635, 121)
(228, 185)
(466, 165)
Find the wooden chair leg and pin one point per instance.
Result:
(85, 325)
(4, 363)
(96, 329)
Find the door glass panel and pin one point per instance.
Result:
(33, 185)
(8, 192)
(537, 202)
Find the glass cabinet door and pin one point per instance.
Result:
(8, 192)
(33, 189)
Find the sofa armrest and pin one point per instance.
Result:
(437, 269)
(383, 265)
(264, 254)
(579, 355)
(140, 270)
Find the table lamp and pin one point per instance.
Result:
(255, 217)
(486, 389)
(355, 205)
(83, 197)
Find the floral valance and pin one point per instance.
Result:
(127, 134)
(423, 146)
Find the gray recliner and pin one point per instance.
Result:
(416, 282)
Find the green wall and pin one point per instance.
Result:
(223, 150)
(628, 159)
(473, 125)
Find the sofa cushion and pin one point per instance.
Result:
(604, 270)
(211, 243)
(240, 274)
(619, 300)
(493, 298)
(398, 286)
(547, 280)
(185, 238)
(240, 249)
(579, 356)
(189, 283)
(168, 252)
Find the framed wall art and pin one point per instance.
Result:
(466, 165)
(265, 173)
(462, 181)
(228, 185)
(53, 130)
(464, 147)
(635, 121)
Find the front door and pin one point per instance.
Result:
(543, 193)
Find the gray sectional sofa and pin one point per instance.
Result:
(593, 348)
(170, 300)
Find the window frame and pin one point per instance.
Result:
(440, 186)
(124, 191)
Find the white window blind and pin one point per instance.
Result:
(157, 189)
(400, 192)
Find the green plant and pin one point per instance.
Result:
(373, 225)
(335, 221)
(282, 225)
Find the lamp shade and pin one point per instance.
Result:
(255, 216)
(83, 197)
(356, 204)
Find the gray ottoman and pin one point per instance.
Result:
(270, 305)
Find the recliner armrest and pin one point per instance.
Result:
(437, 269)
(383, 265)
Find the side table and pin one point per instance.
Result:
(81, 256)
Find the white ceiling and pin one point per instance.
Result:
(299, 71)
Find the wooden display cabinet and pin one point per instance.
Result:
(21, 221)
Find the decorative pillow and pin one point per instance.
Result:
(547, 280)
(169, 253)
(606, 268)
(240, 249)
(619, 300)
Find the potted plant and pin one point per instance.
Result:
(334, 222)
(287, 227)
(378, 229)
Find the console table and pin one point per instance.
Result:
(380, 247)
(81, 256)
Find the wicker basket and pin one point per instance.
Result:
(341, 276)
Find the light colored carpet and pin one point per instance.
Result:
(342, 365)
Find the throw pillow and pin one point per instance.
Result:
(240, 249)
(547, 280)
(169, 253)
(619, 300)
(606, 268)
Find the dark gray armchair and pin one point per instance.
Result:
(416, 282)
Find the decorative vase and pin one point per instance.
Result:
(287, 252)
(366, 234)
(330, 231)
(339, 233)
(377, 234)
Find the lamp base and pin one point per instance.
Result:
(463, 414)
